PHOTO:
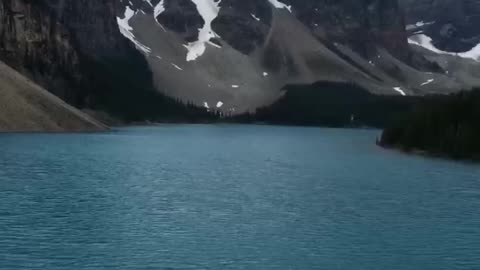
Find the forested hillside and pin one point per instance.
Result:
(440, 125)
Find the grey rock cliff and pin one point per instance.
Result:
(75, 50)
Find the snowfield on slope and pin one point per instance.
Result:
(427, 43)
(209, 10)
(278, 4)
(126, 30)
(427, 82)
(399, 90)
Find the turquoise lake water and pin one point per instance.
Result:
(232, 197)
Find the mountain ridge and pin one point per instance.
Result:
(145, 59)
(75, 50)
(365, 42)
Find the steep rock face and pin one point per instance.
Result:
(48, 38)
(232, 55)
(245, 25)
(361, 24)
(241, 53)
(452, 24)
(32, 42)
(75, 50)
(182, 17)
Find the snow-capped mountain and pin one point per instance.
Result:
(74, 49)
(241, 53)
(232, 55)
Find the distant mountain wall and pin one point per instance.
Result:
(145, 59)
(75, 50)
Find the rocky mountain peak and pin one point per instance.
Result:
(230, 54)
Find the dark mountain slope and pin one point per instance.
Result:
(74, 49)
(25, 106)
(126, 57)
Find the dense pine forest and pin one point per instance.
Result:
(332, 105)
(439, 125)
(122, 87)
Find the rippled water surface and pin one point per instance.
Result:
(232, 197)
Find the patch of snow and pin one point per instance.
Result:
(208, 9)
(265, 74)
(149, 2)
(235, 86)
(427, 82)
(418, 25)
(126, 30)
(159, 9)
(399, 90)
(219, 104)
(175, 66)
(158, 57)
(278, 4)
(255, 17)
(214, 45)
(371, 63)
(205, 104)
(427, 43)
(422, 23)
